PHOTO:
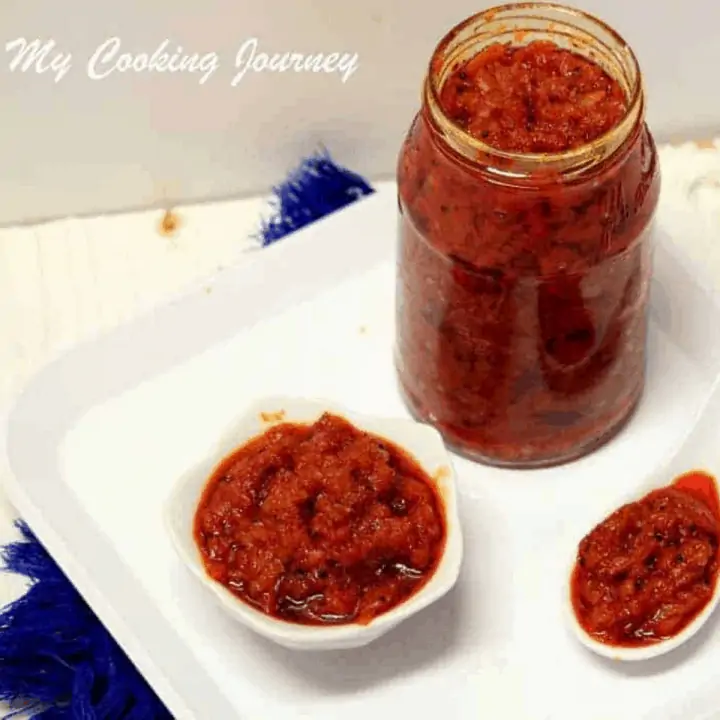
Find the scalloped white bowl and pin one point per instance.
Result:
(421, 441)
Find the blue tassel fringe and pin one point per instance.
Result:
(315, 189)
(56, 654)
(56, 657)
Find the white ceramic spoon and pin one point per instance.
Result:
(700, 451)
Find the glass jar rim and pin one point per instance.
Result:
(575, 160)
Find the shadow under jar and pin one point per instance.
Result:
(527, 187)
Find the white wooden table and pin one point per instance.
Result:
(62, 282)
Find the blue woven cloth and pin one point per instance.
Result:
(56, 657)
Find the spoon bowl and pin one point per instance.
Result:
(697, 452)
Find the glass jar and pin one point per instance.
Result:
(523, 279)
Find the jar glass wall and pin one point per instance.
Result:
(522, 288)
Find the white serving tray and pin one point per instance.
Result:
(95, 442)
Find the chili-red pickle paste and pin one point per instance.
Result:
(522, 296)
(321, 524)
(650, 568)
(533, 99)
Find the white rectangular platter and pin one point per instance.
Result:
(95, 442)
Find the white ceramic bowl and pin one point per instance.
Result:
(421, 441)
